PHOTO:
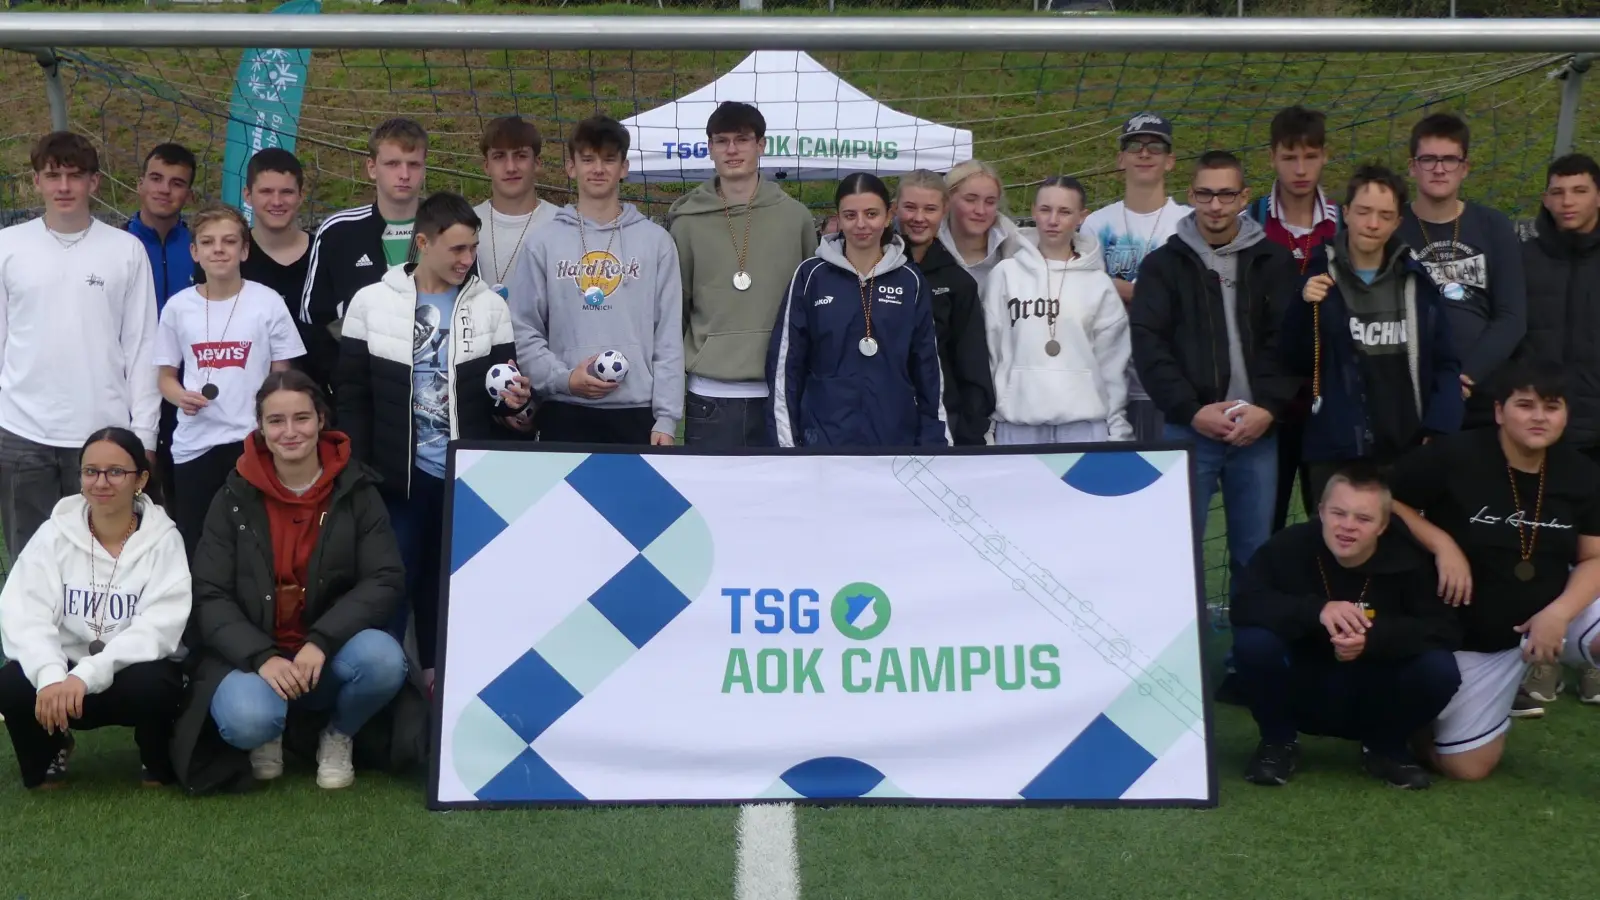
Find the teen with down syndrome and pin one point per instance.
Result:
(296, 575)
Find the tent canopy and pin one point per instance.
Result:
(818, 127)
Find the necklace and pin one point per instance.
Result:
(1526, 539)
(1052, 347)
(869, 344)
(99, 626)
(499, 274)
(583, 243)
(209, 390)
(1361, 601)
(1154, 229)
(66, 243)
(301, 489)
(1451, 290)
(741, 278)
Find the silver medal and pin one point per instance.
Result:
(741, 281)
(869, 347)
(1316, 405)
(1053, 347)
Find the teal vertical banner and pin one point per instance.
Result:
(265, 111)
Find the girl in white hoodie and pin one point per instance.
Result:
(91, 618)
(1058, 333)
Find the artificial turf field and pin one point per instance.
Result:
(1332, 833)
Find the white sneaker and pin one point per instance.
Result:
(266, 761)
(335, 769)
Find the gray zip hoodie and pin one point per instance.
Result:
(1225, 262)
(610, 287)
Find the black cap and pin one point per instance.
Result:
(1147, 124)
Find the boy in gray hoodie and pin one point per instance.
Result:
(739, 240)
(600, 277)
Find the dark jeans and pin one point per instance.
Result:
(143, 696)
(724, 423)
(195, 484)
(1247, 476)
(161, 479)
(1291, 438)
(418, 523)
(570, 423)
(1380, 703)
(33, 478)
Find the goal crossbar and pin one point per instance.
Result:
(701, 32)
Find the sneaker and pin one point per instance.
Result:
(1404, 774)
(148, 778)
(266, 761)
(1525, 707)
(1589, 685)
(335, 769)
(1273, 765)
(1543, 682)
(56, 774)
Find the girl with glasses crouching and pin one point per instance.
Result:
(296, 574)
(91, 616)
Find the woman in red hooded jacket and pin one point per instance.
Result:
(295, 576)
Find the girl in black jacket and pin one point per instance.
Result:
(296, 574)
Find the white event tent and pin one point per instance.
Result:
(818, 127)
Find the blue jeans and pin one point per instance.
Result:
(418, 523)
(1379, 702)
(724, 423)
(361, 679)
(1249, 479)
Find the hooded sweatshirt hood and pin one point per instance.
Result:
(894, 255)
(583, 287)
(294, 522)
(1224, 261)
(66, 592)
(726, 329)
(1005, 239)
(1030, 301)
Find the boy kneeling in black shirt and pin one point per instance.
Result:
(1338, 632)
(1513, 517)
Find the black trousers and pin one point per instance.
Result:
(195, 483)
(160, 486)
(1291, 438)
(144, 696)
(570, 423)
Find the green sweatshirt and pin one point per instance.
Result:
(726, 330)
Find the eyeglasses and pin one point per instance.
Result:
(1203, 197)
(114, 475)
(741, 140)
(1440, 163)
(1155, 148)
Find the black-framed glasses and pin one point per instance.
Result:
(1440, 163)
(1155, 147)
(1204, 196)
(114, 475)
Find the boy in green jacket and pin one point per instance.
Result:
(739, 240)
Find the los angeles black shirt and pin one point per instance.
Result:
(1460, 482)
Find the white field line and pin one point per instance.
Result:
(769, 865)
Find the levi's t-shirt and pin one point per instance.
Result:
(234, 351)
(1461, 483)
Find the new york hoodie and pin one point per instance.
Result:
(614, 286)
(726, 329)
(49, 611)
(1024, 297)
(825, 392)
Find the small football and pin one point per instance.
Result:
(500, 377)
(611, 366)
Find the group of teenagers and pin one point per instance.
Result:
(223, 440)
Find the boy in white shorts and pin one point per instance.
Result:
(1513, 517)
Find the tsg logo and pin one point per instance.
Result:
(860, 610)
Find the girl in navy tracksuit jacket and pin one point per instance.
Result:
(853, 361)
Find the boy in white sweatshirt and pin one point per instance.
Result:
(77, 334)
(1058, 332)
(92, 616)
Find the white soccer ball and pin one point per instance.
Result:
(500, 377)
(611, 366)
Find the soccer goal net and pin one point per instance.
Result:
(1031, 113)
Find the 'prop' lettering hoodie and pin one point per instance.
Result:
(615, 286)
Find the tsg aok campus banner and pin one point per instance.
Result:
(667, 627)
